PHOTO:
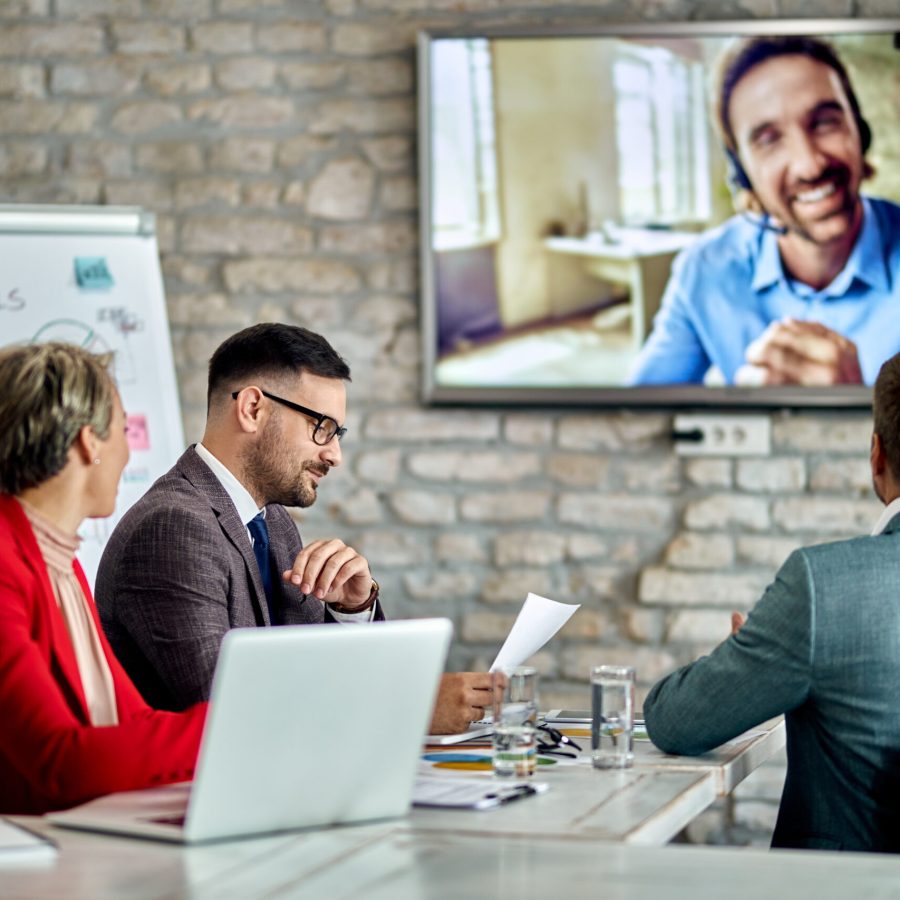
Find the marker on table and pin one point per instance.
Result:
(519, 791)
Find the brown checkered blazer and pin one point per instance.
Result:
(178, 572)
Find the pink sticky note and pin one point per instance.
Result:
(138, 436)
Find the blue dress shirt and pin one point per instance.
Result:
(726, 288)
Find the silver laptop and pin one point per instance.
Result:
(309, 726)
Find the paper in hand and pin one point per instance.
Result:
(538, 620)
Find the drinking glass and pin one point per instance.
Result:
(515, 708)
(612, 722)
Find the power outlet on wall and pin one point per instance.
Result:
(722, 435)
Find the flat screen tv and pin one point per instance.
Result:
(687, 215)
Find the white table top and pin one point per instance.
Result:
(729, 764)
(647, 804)
(577, 835)
(446, 865)
(633, 806)
(384, 862)
(630, 243)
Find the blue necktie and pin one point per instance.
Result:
(260, 534)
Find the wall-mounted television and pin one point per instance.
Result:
(688, 215)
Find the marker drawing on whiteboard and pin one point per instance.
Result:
(12, 302)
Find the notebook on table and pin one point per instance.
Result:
(475, 734)
(307, 728)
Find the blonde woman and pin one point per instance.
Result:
(73, 725)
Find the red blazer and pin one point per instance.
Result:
(51, 757)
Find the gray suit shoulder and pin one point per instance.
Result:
(851, 552)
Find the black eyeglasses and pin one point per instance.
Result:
(549, 742)
(326, 427)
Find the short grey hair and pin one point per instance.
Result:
(50, 392)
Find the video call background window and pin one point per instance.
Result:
(661, 137)
(465, 207)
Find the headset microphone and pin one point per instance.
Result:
(737, 177)
(765, 223)
(738, 180)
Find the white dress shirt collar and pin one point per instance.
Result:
(891, 510)
(244, 504)
(247, 510)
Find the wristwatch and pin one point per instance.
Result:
(373, 599)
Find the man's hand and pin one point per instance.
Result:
(798, 352)
(737, 621)
(461, 699)
(333, 572)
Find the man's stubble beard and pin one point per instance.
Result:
(275, 476)
(851, 208)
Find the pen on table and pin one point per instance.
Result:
(522, 790)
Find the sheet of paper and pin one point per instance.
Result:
(538, 620)
(18, 845)
(470, 793)
(477, 731)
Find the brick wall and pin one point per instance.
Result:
(274, 139)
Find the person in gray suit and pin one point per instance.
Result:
(210, 546)
(822, 646)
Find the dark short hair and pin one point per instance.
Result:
(50, 392)
(273, 350)
(748, 53)
(886, 412)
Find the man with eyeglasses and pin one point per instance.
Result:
(211, 546)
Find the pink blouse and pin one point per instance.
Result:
(58, 550)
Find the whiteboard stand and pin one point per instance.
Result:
(91, 276)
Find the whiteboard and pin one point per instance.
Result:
(41, 299)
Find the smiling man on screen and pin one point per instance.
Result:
(804, 286)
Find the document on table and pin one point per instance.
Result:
(19, 845)
(480, 732)
(470, 793)
(538, 620)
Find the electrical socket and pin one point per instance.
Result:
(723, 435)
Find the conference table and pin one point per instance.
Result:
(392, 863)
(590, 828)
(647, 804)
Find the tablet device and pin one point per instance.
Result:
(568, 716)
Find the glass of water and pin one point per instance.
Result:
(515, 708)
(612, 721)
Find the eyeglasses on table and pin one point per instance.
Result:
(551, 742)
